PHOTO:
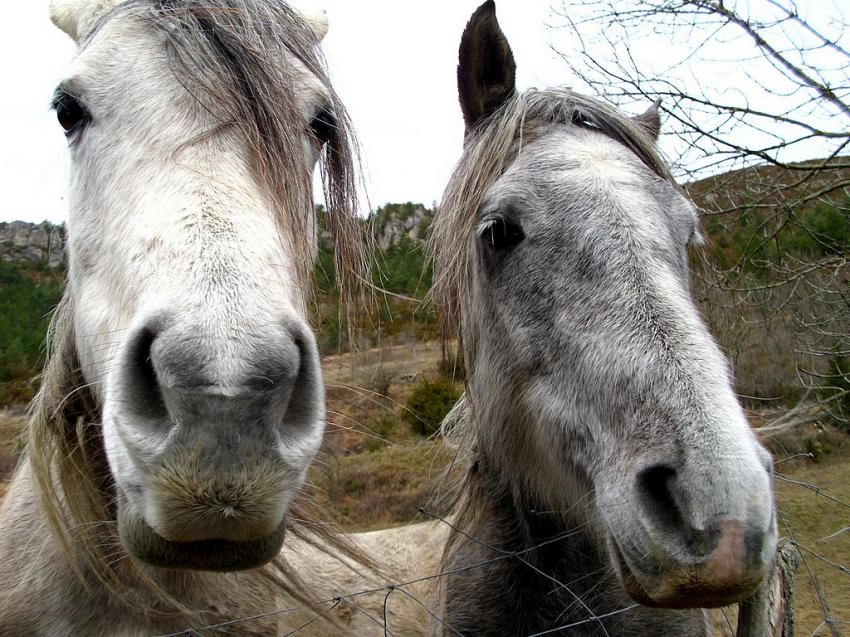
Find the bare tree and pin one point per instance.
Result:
(756, 98)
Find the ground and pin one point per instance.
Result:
(374, 473)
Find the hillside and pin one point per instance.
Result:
(750, 247)
(758, 216)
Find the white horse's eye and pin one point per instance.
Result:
(323, 125)
(70, 112)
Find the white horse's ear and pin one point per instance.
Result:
(318, 23)
(77, 17)
(650, 120)
(314, 15)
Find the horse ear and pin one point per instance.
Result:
(313, 14)
(318, 23)
(650, 120)
(486, 72)
(77, 17)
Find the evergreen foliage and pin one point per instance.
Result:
(27, 297)
(429, 403)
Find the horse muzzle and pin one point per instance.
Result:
(688, 535)
(730, 572)
(145, 544)
(209, 436)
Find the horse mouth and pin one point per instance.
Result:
(150, 547)
(677, 587)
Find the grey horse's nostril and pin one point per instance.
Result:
(655, 489)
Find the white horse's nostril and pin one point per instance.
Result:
(141, 383)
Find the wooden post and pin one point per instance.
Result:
(769, 612)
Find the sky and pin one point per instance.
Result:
(393, 62)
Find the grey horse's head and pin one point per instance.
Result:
(562, 253)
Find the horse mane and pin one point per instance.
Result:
(488, 150)
(232, 57)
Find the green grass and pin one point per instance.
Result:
(808, 517)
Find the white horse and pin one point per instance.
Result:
(183, 402)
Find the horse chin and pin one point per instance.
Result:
(147, 545)
(681, 589)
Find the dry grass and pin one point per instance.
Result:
(384, 488)
(809, 518)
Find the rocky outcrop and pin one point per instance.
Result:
(394, 221)
(23, 242)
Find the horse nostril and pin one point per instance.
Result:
(142, 382)
(655, 489)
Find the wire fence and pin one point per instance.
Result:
(770, 612)
(824, 557)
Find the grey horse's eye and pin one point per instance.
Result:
(70, 112)
(502, 235)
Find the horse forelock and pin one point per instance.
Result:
(244, 62)
(488, 151)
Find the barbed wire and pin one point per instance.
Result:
(828, 621)
(399, 587)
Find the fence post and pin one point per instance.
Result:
(769, 612)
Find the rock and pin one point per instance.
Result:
(32, 242)
(394, 221)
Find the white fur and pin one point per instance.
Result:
(77, 17)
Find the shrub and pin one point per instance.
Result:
(429, 403)
(28, 293)
(382, 430)
(451, 367)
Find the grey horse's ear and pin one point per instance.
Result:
(486, 72)
(650, 120)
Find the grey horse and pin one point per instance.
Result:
(613, 485)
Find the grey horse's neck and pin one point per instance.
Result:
(541, 570)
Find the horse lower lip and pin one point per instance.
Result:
(207, 555)
(682, 590)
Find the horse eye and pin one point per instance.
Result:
(70, 112)
(323, 125)
(502, 234)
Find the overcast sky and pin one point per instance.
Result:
(392, 61)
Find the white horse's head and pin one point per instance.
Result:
(194, 127)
